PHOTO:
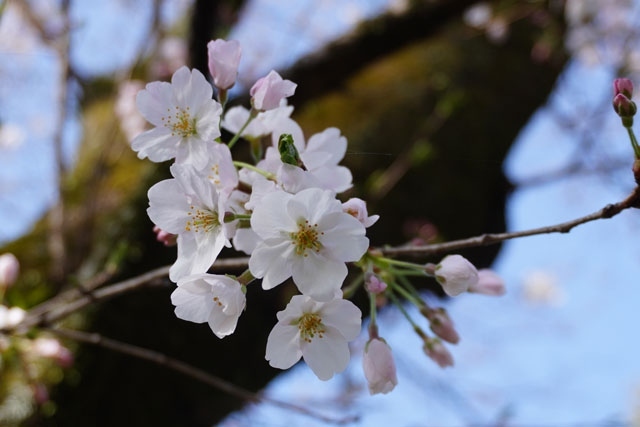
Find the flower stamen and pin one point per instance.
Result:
(306, 238)
(310, 326)
(202, 220)
(181, 123)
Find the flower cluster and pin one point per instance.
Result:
(26, 361)
(282, 210)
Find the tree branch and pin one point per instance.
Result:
(73, 300)
(190, 371)
(609, 211)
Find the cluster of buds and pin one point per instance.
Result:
(626, 109)
(30, 357)
(622, 103)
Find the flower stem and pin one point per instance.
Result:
(407, 295)
(399, 263)
(262, 172)
(634, 141)
(236, 137)
(398, 304)
(245, 278)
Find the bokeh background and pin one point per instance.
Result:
(462, 117)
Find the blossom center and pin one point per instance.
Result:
(180, 122)
(310, 326)
(201, 220)
(306, 238)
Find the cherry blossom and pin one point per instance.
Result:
(319, 332)
(268, 91)
(308, 237)
(185, 119)
(358, 209)
(215, 299)
(320, 157)
(190, 207)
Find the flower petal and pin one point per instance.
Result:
(328, 355)
(283, 346)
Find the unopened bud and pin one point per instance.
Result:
(165, 238)
(456, 274)
(9, 270)
(441, 324)
(438, 352)
(625, 108)
(489, 283)
(623, 86)
(40, 393)
(373, 283)
(379, 367)
(51, 348)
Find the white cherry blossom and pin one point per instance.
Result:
(319, 332)
(190, 207)
(212, 298)
(185, 119)
(320, 156)
(308, 237)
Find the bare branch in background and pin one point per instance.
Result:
(191, 372)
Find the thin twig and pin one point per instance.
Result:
(190, 371)
(75, 299)
(609, 211)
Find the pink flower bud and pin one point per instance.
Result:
(40, 393)
(9, 270)
(52, 349)
(357, 208)
(379, 367)
(623, 86)
(224, 58)
(624, 107)
(438, 352)
(489, 283)
(441, 324)
(162, 236)
(373, 283)
(268, 91)
(456, 274)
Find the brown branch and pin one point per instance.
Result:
(73, 300)
(190, 371)
(609, 211)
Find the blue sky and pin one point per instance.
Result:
(560, 354)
